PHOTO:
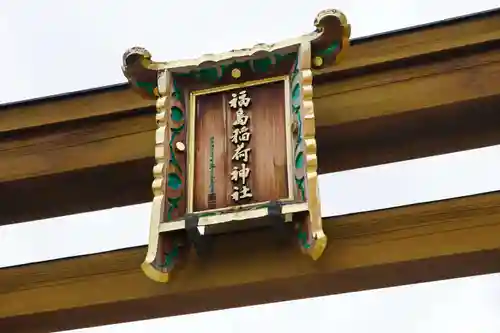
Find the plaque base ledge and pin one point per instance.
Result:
(287, 208)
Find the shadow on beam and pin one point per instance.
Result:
(429, 132)
(412, 244)
(359, 279)
(80, 191)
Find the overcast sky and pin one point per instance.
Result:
(55, 46)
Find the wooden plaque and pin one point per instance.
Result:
(241, 155)
(235, 145)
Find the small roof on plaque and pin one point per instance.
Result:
(327, 41)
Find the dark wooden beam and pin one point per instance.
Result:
(76, 145)
(361, 144)
(70, 107)
(425, 242)
(411, 94)
(443, 95)
(84, 190)
(432, 82)
(428, 132)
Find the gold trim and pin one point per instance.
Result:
(192, 128)
(158, 185)
(318, 61)
(288, 139)
(191, 114)
(319, 238)
(151, 272)
(236, 73)
(238, 85)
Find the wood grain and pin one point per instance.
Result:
(91, 143)
(396, 107)
(427, 132)
(70, 107)
(211, 120)
(367, 250)
(396, 91)
(91, 189)
(423, 133)
(268, 160)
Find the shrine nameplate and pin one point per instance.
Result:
(235, 144)
(242, 148)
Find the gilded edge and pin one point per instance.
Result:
(330, 24)
(158, 185)
(318, 237)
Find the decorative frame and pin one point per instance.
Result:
(171, 207)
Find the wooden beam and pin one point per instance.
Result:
(418, 243)
(467, 80)
(395, 97)
(84, 190)
(70, 107)
(77, 145)
(350, 146)
(466, 76)
(399, 48)
(428, 132)
(61, 155)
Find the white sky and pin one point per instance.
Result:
(56, 46)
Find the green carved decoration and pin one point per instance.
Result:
(174, 181)
(258, 66)
(296, 108)
(207, 75)
(303, 239)
(296, 111)
(176, 114)
(173, 203)
(300, 182)
(148, 87)
(299, 160)
(335, 46)
(173, 158)
(177, 93)
(296, 92)
(171, 256)
(174, 178)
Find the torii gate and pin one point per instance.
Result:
(397, 96)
